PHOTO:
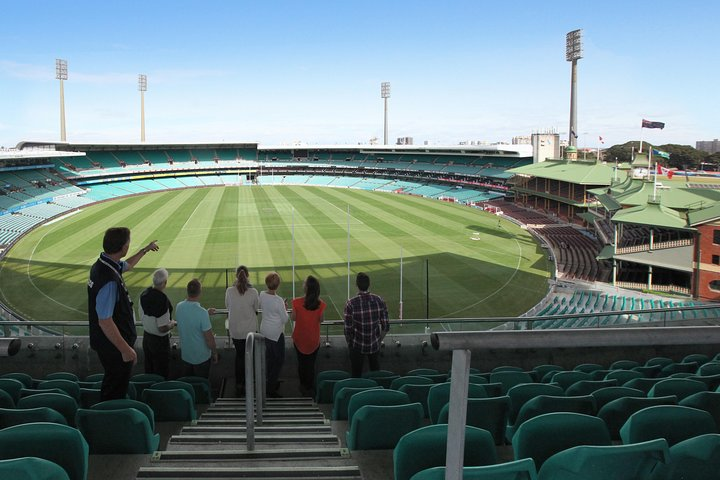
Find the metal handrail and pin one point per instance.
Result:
(254, 374)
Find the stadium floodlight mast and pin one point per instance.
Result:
(573, 53)
(142, 86)
(61, 73)
(385, 94)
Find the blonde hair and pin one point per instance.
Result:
(272, 281)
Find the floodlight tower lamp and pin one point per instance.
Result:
(573, 53)
(142, 87)
(61, 73)
(385, 94)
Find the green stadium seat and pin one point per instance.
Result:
(648, 371)
(23, 378)
(378, 396)
(68, 386)
(131, 431)
(587, 387)
(543, 436)
(383, 378)
(62, 376)
(18, 416)
(616, 412)
(616, 462)
(380, 427)
(507, 368)
(175, 385)
(147, 377)
(170, 405)
(410, 379)
(342, 400)
(426, 447)
(672, 368)
(439, 395)
(710, 368)
(490, 414)
(680, 387)
(543, 404)
(624, 365)
(696, 458)
(698, 358)
(623, 376)
(674, 423)
(89, 397)
(95, 377)
(565, 379)
(56, 443)
(519, 395)
(352, 383)
(543, 370)
(608, 394)
(324, 383)
(643, 384)
(12, 387)
(422, 371)
(32, 468)
(517, 470)
(708, 401)
(662, 361)
(712, 381)
(120, 403)
(588, 367)
(509, 378)
(419, 394)
(63, 404)
(201, 385)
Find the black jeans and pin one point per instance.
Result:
(117, 374)
(157, 354)
(357, 359)
(239, 362)
(199, 370)
(274, 358)
(306, 368)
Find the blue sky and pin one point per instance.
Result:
(310, 71)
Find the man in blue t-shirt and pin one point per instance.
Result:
(197, 341)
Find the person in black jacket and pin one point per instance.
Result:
(110, 311)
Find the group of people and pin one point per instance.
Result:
(113, 334)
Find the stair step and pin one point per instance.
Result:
(288, 413)
(224, 421)
(277, 453)
(259, 438)
(269, 408)
(205, 473)
(195, 429)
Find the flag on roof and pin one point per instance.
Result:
(661, 154)
(664, 171)
(649, 124)
(601, 140)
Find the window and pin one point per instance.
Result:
(716, 259)
(716, 237)
(715, 285)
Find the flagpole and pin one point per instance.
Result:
(348, 251)
(655, 182)
(641, 133)
(401, 284)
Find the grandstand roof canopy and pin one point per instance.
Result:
(699, 217)
(674, 195)
(679, 258)
(652, 214)
(578, 172)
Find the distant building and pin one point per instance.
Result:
(522, 140)
(404, 141)
(545, 145)
(709, 146)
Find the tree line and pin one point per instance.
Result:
(681, 156)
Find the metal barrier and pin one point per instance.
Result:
(254, 375)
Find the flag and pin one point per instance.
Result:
(664, 171)
(649, 124)
(601, 140)
(661, 154)
(572, 132)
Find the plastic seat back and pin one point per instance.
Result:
(419, 394)
(375, 397)
(608, 394)
(426, 447)
(662, 361)
(708, 401)
(698, 358)
(89, 397)
(588, 367)
(96, 377)
(147, 377)
(439, 395)
(623, 376)
(615, 413)
(342, 400)
(517, 470)
(587, 387)
(63, 404)
(68, 386)
(352, 383)
(170, 405)
(680, 387)
(565, 379)
(509, 379)
(57, 443)
(379, 427)
(18, 416)
(6, 400)
(543, 370)
(175, 385)
(62, 376)
(624, 365)
(544, 404)
(674, 423)
(131, 431)
(490, 414)
(23, 378)
(121, 403)
(616, 462)
(696, 458)
(644, 384)
(12, 387)
(422, 371)
(32, 468)
(519, 395)
(324, 383)
(410, 379)
(711, 368)
(543, 436)
(672, 368)
(202, 387)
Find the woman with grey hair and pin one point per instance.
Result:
(155, 312)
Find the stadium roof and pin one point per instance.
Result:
(699, 217)
(678, 258)
(654, 215)
(579, 172)
(636, 192)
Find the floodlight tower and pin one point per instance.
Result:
(61, 73)
(385, 94)
(573, 53)
(142, 86)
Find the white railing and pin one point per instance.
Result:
(254, 375)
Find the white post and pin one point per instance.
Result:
(293, 252)
(401, 284)
(457, 415)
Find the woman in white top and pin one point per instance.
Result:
(241, 301)
(274, 318)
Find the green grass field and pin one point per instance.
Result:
(476, 267)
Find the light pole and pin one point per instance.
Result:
(142, 86)
(573, 53)
(385, 94)
(61, 73)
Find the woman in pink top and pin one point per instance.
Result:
(307, 314)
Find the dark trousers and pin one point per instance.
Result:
(199, 370)
(117, 375)
(306, 368)
(157, 354)
(274, 358)
(239, 363)
(357, 359)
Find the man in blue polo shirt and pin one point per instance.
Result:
(197, 341)
(110, 311)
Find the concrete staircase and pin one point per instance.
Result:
(295, 441)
